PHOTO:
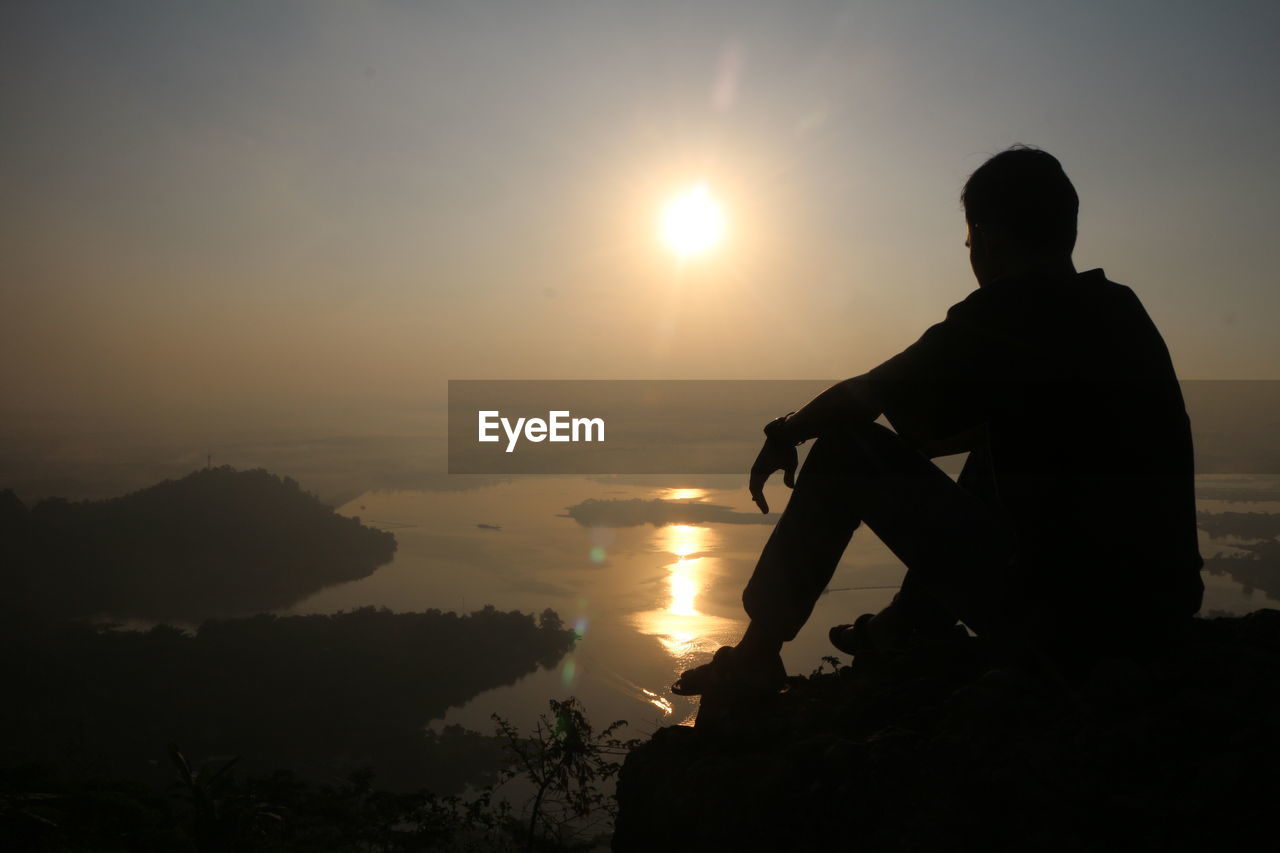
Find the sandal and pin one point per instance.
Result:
(853, 639)
(724, 675)
(856, 639)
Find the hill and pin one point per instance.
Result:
(321, 695)
(218, 542)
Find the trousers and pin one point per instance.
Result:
(952, 538)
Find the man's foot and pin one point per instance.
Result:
(883, 631)
(730, 672)
(731, 680)
(853, 639)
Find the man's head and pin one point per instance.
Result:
(1021, 211)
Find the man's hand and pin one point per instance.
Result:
(853, 400)
(774, 455)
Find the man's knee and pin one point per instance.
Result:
(860, 449)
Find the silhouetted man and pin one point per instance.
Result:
(1071, 529)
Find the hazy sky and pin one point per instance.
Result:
(314, 212)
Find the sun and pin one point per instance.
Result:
(693, 222)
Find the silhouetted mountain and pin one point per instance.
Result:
(217, 542)
(935, 749)
(321, 695)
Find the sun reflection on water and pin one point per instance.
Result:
(683, 494)
(684, 630)
(660, 702)
(684, 589)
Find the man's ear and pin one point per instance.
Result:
(992, 241)
(973, 235)
(984, 246)
(984, 237)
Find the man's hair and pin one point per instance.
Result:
(1023, 191)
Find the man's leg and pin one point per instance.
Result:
(950, 540)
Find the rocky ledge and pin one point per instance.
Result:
(935, 748)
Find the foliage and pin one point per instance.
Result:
(570, 766)
(217, 813)
(321, 693)
(210, 808)
(827, 661)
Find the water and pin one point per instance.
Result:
(649, 601)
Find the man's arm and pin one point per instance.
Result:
(964, 442)
(853, 401)
(850, 401)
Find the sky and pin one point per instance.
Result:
(305, 217)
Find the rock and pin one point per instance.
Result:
(936, 748)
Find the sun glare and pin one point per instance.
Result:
(693, 222)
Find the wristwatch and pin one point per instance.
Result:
(774, 430)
